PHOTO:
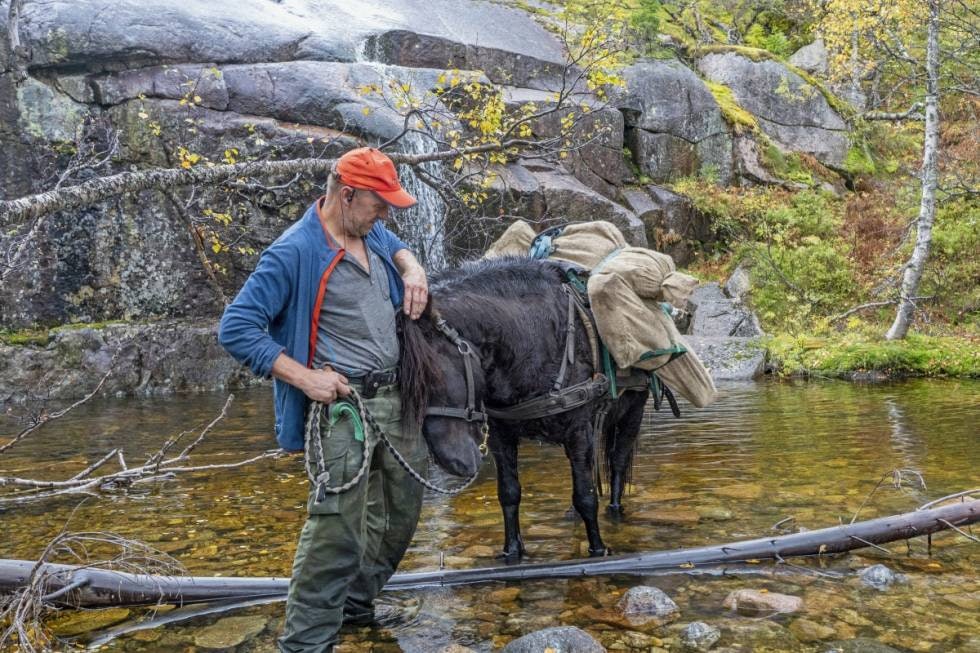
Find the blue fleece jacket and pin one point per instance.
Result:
(278, 308)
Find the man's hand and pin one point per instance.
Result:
(416, 291)
(324, 385)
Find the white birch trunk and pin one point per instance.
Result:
(912, 273)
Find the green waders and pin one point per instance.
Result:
(352, 542)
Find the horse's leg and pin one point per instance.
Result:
(581, 453)
(621, 437)
(509, 496)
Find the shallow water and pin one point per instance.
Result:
(764, 452)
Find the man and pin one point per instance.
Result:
(318, 315)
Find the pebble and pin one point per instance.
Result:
(229, 632)
(879, 577)
(558, 639)
(810, 631)
(762, 603)
(699, 636)
(643, 604)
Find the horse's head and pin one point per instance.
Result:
(442, 389)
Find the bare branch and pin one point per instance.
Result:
(44, 418)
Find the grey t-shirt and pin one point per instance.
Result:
(357, 321)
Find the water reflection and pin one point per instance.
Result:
(762, 453)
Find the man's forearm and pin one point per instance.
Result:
(288, 369)
(406, 262)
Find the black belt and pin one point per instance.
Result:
(368, 384)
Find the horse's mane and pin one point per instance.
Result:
(459, 296)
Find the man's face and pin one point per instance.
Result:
(363, 211)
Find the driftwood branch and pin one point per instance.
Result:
(97, 588)
(157, 467)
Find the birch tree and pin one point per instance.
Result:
(916, 54)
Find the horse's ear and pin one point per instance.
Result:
(430, 310)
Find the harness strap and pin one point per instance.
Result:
(568, 358)
(570, 398)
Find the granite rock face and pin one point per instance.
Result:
(166, 83)
(144, 360)
(674, 127)
(789, 109)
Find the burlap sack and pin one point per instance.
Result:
(625, 297)
(513, 242)
(626, 286)
(587, 243)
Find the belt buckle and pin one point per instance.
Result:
(373, 381)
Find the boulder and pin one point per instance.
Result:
(119, 34)
(879, 577)
(739, 284)
(673, 124)
(699, 636)
(730, 359)
(791, 111)
(717, 315)
(747, 165)
(569, 200)
(672, 224)
(146, 359)
(561, 639)
(811, 58)
(599, 164)
(133, 258)
(762, 603)
(642, 605)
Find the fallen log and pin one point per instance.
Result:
(73, 586)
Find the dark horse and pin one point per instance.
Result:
(515, 313)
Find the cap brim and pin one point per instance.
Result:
(397, 198)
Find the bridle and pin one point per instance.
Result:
(470, 413)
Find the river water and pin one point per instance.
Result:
(762, 453)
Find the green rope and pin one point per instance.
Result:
(340, 409)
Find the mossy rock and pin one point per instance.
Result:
(740, 120)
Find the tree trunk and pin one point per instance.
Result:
(87, 587)
(930, 170)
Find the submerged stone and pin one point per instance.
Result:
(77, 622)
(644, 604)
(810, 631)
(229, 632)
(859, 645)
(699, 636)
(879, 577)
(760, 602)
(562, 639)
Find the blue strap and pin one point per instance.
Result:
(610, 256)
(542, 247)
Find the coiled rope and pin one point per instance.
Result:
(316, 468)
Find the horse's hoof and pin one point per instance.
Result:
(615, 512)
(601, 552)
(510, 557)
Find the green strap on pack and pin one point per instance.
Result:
(341, 409)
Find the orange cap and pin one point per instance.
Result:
(369, 169)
